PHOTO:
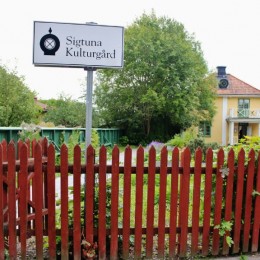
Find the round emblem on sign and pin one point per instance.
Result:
(49, 43)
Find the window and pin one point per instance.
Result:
(205, 128)
(243, 107)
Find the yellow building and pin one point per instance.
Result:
(238, 111)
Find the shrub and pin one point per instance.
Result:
(124, 140)
(181, 140)
(29, 131)
(94, 138)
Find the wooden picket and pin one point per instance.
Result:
(207, 203)
(102, 204)
(218, 203)
(238, 201)
(150, 203)
(196, 203)
(248, 200)
(11, 200)
(51, 202)
(184, 220)
(127, 201)
(174, 202)
(256, 224)
(114, 204)
(139, 202)
(229, 197)
(23, 198)
(2, 240)
(64, 202)
(184, 203)
(89, 192)
(76, 203)
(162, 203)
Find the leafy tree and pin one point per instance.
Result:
(65, 111)
(164, 86)
(16, 100)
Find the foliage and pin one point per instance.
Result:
(255, 193)
(247, 143)
(224, 227)
(29, 131)
(88, 249)
(181, 140)
(74, 139)
(192, 139)
(243, 257)
(164, 86)
(94, 139)
(46, 124)
(123, 140)
(200, 142)
(65, 112)
(16, 100)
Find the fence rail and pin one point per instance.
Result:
(130, 207)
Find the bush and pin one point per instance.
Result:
(29, 131)
(182, 140)
(123, 140)
(94, 139)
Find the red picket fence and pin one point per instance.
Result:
(136, 209)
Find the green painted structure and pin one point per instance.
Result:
(107, 136)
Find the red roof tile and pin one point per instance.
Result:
(43, 106)
(238, 87)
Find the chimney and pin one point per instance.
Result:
(222, 77)
(221, 71)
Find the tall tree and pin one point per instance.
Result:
(65, 111)
(159, 91)
(16, 100)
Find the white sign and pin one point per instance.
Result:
(78, 45)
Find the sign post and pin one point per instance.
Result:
(89, 46)
(89, 91)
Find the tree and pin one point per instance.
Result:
(164, 86)
(65, 111)
(16, 100)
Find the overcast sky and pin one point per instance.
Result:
(228, 31)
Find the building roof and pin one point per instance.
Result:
(238, 87)
(43, 106)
